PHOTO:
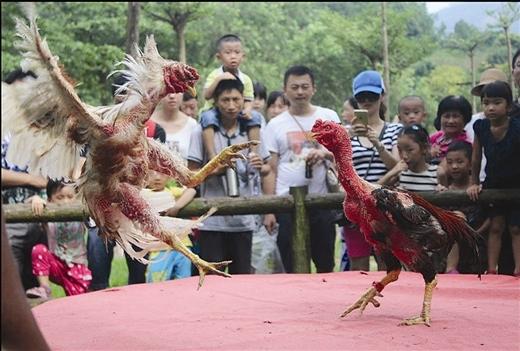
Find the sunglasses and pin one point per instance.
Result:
(367, 96)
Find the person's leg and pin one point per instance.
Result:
(284, 240)
(181, 266)
(99, 257)
(323, 238)
(496, 230)
(253, 133)
(358, 249)
(209, 120)
(136, 269)
(452, 261)
(514, 230)
(345, 260)
(211, 246)
(21, 243)
(239, 247)
(75, 279)
(41, 267)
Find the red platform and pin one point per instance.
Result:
(287, 312)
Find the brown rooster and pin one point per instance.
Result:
(403, 228)
(48, 124)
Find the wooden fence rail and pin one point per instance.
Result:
(298, 203)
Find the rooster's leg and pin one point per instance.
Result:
(424, 318)
(134, 207)
(371, 293)
(225, 157)
(203, 266)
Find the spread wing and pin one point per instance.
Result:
(44, 117)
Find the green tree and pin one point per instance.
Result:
(467, 38)
(505, 17)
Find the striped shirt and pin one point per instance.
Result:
(361, 155)
(424, 181)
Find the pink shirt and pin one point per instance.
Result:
(438, 138)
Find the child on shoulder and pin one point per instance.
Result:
(64, 260)
(498, 136)
(230, 53)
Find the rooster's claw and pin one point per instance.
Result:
(363, 301)
(211, 267)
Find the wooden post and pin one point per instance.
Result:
(301, 243)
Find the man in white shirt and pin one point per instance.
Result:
(298, 160)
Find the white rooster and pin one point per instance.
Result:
(48, 124)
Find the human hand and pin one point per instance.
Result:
(37, 205)
(473, 191)
(255, 161)
(270, 222)
(314, 156)
(440, 187)
(373, 136)
(358, 129)
(435, 150)
(401, 166)
(247, 113)
(227, 75)
(172, 211)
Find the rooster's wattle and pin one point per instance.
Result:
(48, 124)
(403, 228)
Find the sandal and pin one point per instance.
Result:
(39, 292)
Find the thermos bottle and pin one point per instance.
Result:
(232, 182)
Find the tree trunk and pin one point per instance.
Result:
(473, 80)
(132, 28)
(179, 30)
(386, 63)
(509, 56)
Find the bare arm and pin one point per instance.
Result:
(186, 197)
(269, 188)
(476, 160)
(208, 92)
(12, 178)
(392, 176)
(19, 329)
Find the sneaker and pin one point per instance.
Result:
(39, 292)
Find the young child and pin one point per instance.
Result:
(168, 264)
(413, 172)
(453, 113)
(499, 136)
(276, 104)
(64, 260)
(411, 110)
(458, 169)
(189, 105)
(230, 54)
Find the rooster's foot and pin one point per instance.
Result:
(210, 267)
(231, 153)
(363, 301)
(422, 319)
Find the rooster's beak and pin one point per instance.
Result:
(192, 91)
(315, 135)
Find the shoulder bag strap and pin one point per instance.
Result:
(381, 135)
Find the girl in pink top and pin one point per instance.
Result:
(453, 113)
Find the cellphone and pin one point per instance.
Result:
(361, 117)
